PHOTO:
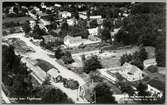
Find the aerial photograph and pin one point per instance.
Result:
(83, 52)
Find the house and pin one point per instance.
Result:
(149, 62)
(131, 72)
(53, 72)
(70, 41)
(44, 22)
(115, 31)
(156, 87)
(57, 5)
(57, 31)
(71, 22)
(93, 31)
(96, 17)
(49, 38)
(32, 24)
(43, 27)
(65, 14)
(83, 15)
(109, 75)
(37, 72)
(11, 10)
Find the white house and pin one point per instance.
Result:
(149, 62)
(115, 31)
(70, 41)
(71, 22)
(11, 10)
(57, 5)
(156, 87)
(108, 75)
(83, 15)
(153, 91)
(96, 17)
(93, 31)
(32, 24)
(131, 72)
(65, 14)
(53, 73)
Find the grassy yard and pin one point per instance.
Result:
(21, 46)
(91, 47)
(156, 75)
(16, 19)
(151, 51)
(44, 65)
(110, 62)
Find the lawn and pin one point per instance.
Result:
(44, 65)
(21, 46)
(90, 47)
(16, 19)
(150, 51)
(110, 62)
(156, 75)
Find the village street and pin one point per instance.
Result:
(44, 55)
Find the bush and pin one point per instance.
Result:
(59, 78)
(92, 64)
(67, 58)
(58, 53)
(72, 84)
(152, 69)
(93, 23)
(136, 58)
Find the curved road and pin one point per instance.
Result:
(64, 72)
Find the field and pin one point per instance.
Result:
(16, 19)
(21, 46)
(110, 62)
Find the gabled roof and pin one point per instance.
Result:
(49, 38)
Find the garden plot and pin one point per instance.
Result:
(20, 46)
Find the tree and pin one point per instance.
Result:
(143, 54)
(85, 33)
(51, 95)
(92, 64)
(15, 74)
(26, 27)
(58, 53)
(93, 23)
(67, 58)
(107, 24)
(141, 26)
(72, 84)
(105, 35)
(47, 81)
(128, 89)
(82, 24)
(76, 14)
(38, 32)
(142, 91)
(104, 94)
(137, 62)
(65, 26)
(126, 58)
(160, 56)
